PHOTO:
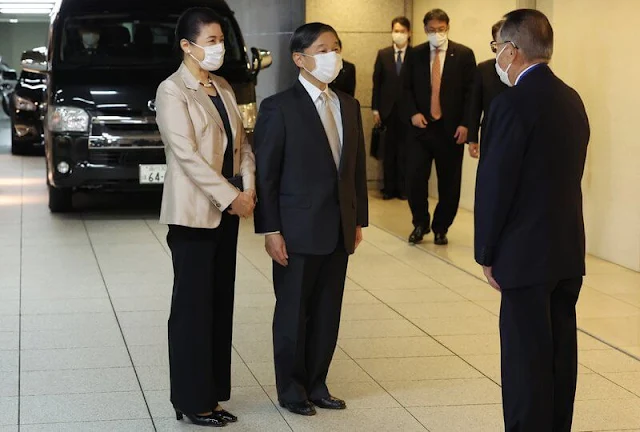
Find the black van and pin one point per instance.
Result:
(99, 129)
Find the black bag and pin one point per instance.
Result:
(377, 142)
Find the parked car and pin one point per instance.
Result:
(99, 128)
(8, 80)
(27, 104)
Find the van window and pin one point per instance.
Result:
(119, 40)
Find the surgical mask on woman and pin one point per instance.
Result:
(213, 56)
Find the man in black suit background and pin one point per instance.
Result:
(529, 225)
(312, 206)
(486, 86)
(437, 94)
(346, 80)
(385, 100)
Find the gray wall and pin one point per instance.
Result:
(17, 38)
(269, 24)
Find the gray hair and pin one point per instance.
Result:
(531, 32)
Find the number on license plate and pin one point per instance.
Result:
(152, 174)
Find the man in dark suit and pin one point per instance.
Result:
(437, 94)
(486, 86)
(346, 80)
(312, 206)
(387, 93)
(529, 226)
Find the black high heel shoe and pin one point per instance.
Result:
(226, 416)
(211, 420)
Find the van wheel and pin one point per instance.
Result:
(60, 200)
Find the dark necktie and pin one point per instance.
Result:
(399, 62)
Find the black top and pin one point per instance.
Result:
(528, 217)
(302, 195)
(486, 87)
(227, 166)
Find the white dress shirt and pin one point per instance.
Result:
(442, 53)
(402, 51)
(315, 93)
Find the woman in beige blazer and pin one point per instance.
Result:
(209, 161)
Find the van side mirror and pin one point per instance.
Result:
(9, 75)
(262, 59)
(35, 60)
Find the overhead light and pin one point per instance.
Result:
(26, 5)
(26, 2)
(24, 11)
(13, 21)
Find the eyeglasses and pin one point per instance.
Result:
(494, 45)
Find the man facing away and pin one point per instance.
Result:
(386, 96)
(529, 226)
(437, 94)
(312, 206)
(486, 86)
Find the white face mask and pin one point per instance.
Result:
(213, 56)
(328, 66)
(503, 74)
(400, 39)
(90, 40)
(437, 39)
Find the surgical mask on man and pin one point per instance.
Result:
(213, 56)
(328, 66)
(437, 39)
(90, 39)
(400, 38)
(503, 74)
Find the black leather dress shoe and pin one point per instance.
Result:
(200, 420)
(387, 196)
(330, 403)
(301, 408)
(418, 234)
(225, 416)
(441, 239)
(401, 197)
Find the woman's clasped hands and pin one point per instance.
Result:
(244, 204)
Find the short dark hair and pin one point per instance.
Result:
(191, 21)
(403, 21)
(495, 29)
(307, 34)
(436, 14)
(340, 43)
(531, 31)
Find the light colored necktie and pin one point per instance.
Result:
(330, 128)
(436, 80)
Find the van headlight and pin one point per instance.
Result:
(249, 112)
(67, 119)
(23, 104)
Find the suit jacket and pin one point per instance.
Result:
(528, 217)
(455, 88)
(346, 80)
(301, 193)
(486, 86)
(387, 84)
(195, 192)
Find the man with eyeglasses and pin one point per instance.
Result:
(529, 228)
(486, 86)
(437, 84)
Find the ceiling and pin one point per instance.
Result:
(17, 11)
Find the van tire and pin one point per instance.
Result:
(60, 200)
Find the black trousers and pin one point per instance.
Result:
(395, 155)
(426, 146)
(200, 325)
(539, 356)
(306, 321)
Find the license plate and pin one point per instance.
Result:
(152, 174)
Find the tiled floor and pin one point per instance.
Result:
(84, 301)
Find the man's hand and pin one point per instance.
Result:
(488, 273)
(277, 249)
(474, 150)
(461, 135)
(243, 205)
(419, 121)
(252, 194)
(358, 236)
(376, 118)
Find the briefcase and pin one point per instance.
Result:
(377, 142)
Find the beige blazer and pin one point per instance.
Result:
(195, 192)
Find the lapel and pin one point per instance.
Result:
(229, 105)
(309, 111)
(450, 57)
(346, 141)
(198, 94)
